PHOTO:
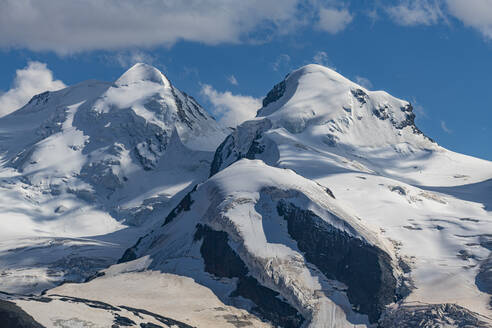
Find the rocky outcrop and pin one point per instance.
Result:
(275, 94)
(432, 315)
(247, 141)
(12, 316)
(221, 261)
(365, 269)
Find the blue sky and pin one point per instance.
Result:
(435, 53)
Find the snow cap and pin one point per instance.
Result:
(142, 72)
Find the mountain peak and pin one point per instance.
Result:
(317, 97)
(326, 72)
(142, 72)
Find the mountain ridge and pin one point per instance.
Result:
(329, 209)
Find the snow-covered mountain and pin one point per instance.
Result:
(329, 209)
(93, 159)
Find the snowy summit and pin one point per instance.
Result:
(132, 206)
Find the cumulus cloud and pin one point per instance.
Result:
(231, 109)
(416, 12)
(334, 20)
(365, 82)
(35, 78)
(473, 13)
(74, 26)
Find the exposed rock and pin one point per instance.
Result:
(365, 269)
(275, 94)
(432, 315)
(221, 261)
(40, 99)
(247, 141)
(165, 320)
(120, 321)
(184, 205)
(360, 95)
(12, 316)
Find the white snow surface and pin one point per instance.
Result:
(96, 160)
(431, 203)
(108, 161)
(169, 295)
(241, 200)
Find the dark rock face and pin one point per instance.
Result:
(275, 94)
(216, 252)
(149, 325)
(255, 148)
(249, 134)
(40, 99)
(182, 114)
(219, 153)
(221, 261)
(410, 121)
(381, 113)
(432, 315)
(483, 280)
(360, 95)
(165, 320)
(364, 268)
(12, 316)
(131, 253)
(184, 205)
(120, 321)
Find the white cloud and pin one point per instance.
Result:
(127, 59)
(321, 58)
(445, 127)
(419, 110)
(231, 110)
(73, 26)
(35, 78)
(417, 12)
(232, 80)
(365, 82)
(282, 61)
(473, 13)
(334, 20)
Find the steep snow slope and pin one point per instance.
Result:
(433, 204)
(252, 232)
(90, 160)
(317, 116)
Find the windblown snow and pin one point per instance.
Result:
(329, 209)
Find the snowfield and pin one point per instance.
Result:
(329, 209)
(85, 169)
